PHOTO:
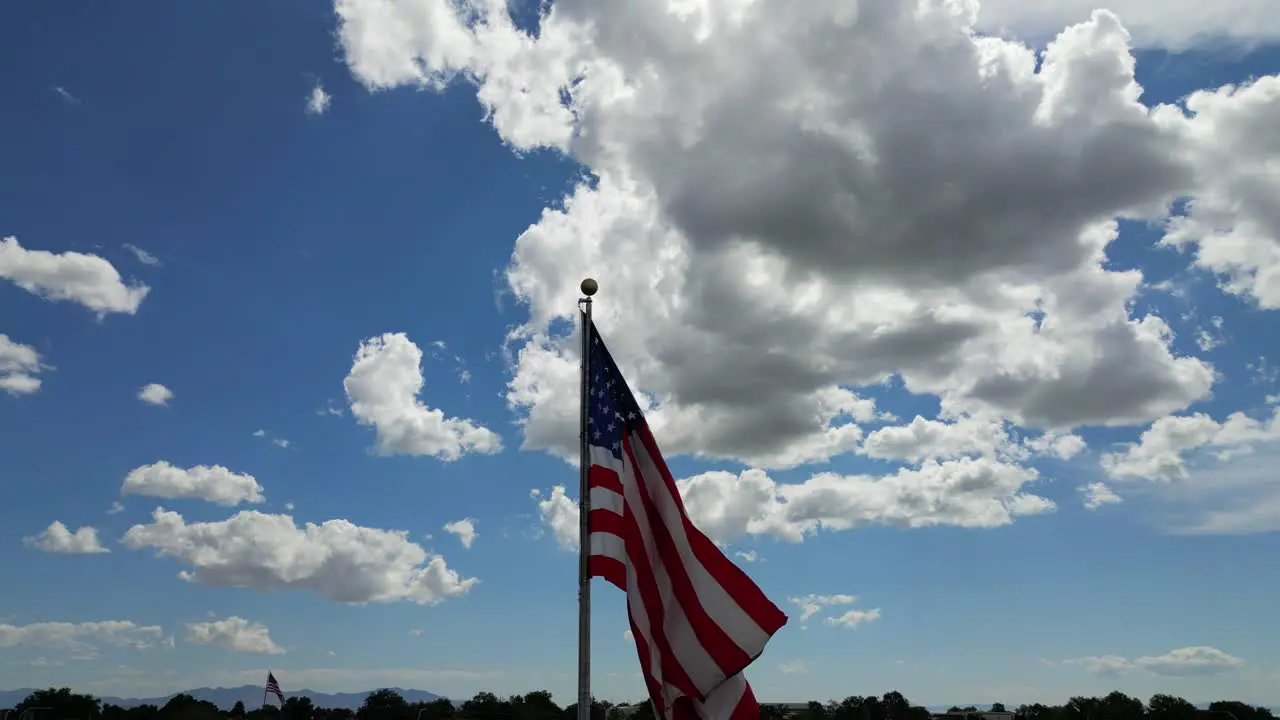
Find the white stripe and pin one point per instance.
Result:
(603, 543)
(723, 610)
(603, 457)
(606, 499)
(640, 617)
(722, 701)
(697, 663)
(609, 545)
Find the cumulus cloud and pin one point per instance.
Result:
(967, 492)
(465, 529)
(1232, 223)
(812, 604)
(214, 484)
(737, 215)
(1161, 451)
(81, 638)
(853, 618)
(155, 394)
(58, 539)
(336, 559)
(19, 365)
(1182, 662)
(235, 634)
(383, 387)
(933, 205)
(89, 280)
(1174, 24)
(1098, 494)
(318, 100)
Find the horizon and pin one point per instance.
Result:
(957, 324)
(984, 706)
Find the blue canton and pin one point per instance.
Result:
(611, 408)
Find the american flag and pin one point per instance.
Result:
(273, 687)
(697, 619)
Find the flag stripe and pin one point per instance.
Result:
(733, 589)
(715, 584)
(677, 647)
(726, 657)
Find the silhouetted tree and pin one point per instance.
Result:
(383, 704)
(388, 704)
(62, 704)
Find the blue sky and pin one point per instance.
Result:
(438, 187)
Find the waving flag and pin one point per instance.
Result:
(697, 619)
(273, 687)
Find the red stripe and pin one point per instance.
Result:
(607, 521)
(611, 569)
(747, 708)
(646, 671)
(730, 658)
(604, 477)
(746, 593)
(672, 672)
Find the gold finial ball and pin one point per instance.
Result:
(589, 287)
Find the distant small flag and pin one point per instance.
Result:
(273, 687)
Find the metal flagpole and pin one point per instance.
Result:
(264, 689)
(589, 288)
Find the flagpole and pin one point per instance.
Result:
(264, 690)
(589, 288)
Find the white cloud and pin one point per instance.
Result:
(812, 604)
(747, 555)
(58, 539)
(66, 95)
(628, 636)
(19, 365)
(736, 215)
(142, 256)
(383, 387)
(79, 637)
(1232, 224)
(235, 634)
(1182, 662)
(155, 394)
(116, 508)
(1159, 454)
(86, 279)
(465, 529)
(559, 513)
(214, 484)
(318, 100)
(793, 667)
(1175, 24)
(972, 267)
(967, 492)
(336, 559)
(416, 632)
(853, 618)
(1097, 494)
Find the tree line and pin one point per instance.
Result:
(387, 704)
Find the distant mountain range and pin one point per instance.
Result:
(226, 698)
